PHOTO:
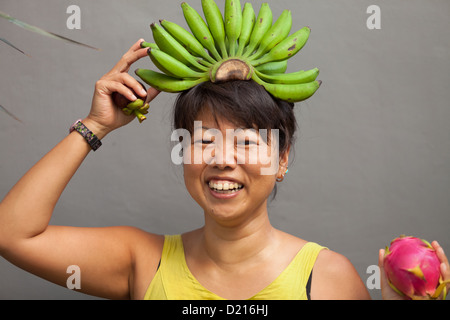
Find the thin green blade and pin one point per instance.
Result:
(41, 31)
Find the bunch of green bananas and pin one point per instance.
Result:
(237, 46)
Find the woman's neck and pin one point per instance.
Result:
(238, 242)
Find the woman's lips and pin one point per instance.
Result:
(224, 189)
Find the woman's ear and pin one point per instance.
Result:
(284, 158)
(283, 164)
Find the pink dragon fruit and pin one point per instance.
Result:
(413, 268)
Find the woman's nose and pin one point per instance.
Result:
(223, 155)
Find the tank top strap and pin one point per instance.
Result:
(305, 260)
(292, 282)
(160, 287)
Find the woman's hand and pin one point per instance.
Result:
(114, 91)
(389, 294)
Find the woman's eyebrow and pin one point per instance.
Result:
(235, 129)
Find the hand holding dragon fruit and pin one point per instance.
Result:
(413, 268)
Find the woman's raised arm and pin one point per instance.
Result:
(104, 255)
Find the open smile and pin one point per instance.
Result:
(224, 189)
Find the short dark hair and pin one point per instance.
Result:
(244, 103)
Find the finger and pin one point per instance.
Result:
(440, 252)
(445, 271)
(381, 263)
(131, 56)
(137, 45)
(380, 257)
(109, 87)
(142, 85)
(132, 83)
(444, 267)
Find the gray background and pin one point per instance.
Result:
(372, 159)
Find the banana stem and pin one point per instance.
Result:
(145, 108)
(240, 50)
(254, 57)
(140, 116)
(223, 50)
(232, 49)
(248, 51)
(127, 111)
(208, 59)
(206, 63)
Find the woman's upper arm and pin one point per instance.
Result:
(335, 278)
(105, 258)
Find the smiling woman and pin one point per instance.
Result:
(236, 254)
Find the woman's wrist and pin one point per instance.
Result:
(99, 130)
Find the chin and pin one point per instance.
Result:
(223, 213)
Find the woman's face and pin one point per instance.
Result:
(233, 170)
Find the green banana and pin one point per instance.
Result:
(186, 39)
(145, 44)
(286, 48)
(262, 25)
(171, 46)
(233, 23)
(277, 33)
(289, 78)
(273, 67)
(248, 21)
(200, 29)
(167, 83)
(216, 25)
(250, 46)
(160, 66)
(175, 67)
(289, 92)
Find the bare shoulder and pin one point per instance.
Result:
(138, 241)
(335, 278)
(142, 238)
(290, 243)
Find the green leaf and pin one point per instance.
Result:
(41, 31)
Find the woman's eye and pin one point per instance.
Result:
(247, 142)
(202, 142)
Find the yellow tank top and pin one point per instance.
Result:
(174, 281)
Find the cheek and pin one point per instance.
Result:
(193, 179)
(264, 161)
(260, 183)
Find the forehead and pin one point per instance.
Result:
(206, 118)
(210, 119)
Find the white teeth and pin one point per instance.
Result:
(226, 187)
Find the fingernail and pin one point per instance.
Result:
(133, 97)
